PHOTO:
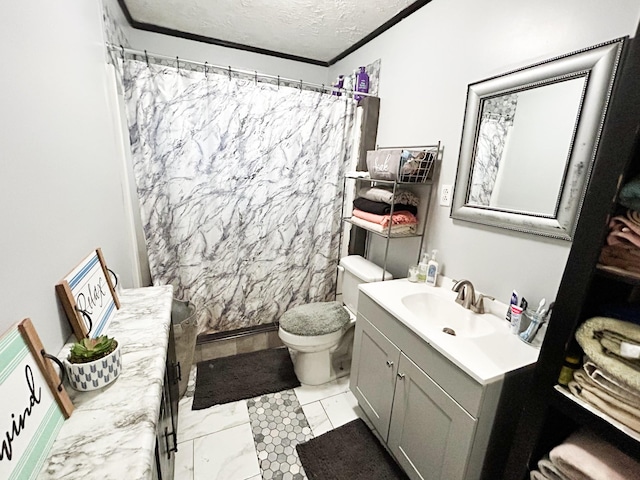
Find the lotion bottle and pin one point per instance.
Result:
(432, 269)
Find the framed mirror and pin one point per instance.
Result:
(529, 139)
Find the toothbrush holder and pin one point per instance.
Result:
(535, 320)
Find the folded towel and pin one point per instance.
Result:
(536, 475)
(582, 388)
(549, 470)
(602, 339)
(634, 216)
(623, 230)
(625, 418)
(376, 227)
(630, 194)
(583, 456)
(399, 218)
(382, 208)
(621, 255)
(607, 382)
(380, 194)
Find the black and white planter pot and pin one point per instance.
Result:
(96, 374)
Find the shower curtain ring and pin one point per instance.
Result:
(256, 77)
(177, 63)
(278, 82)
(300, 84)
(122, 51)
(205, 69)
(146, 57)
(229, 72)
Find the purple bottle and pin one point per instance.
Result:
(362, 83)
(339, 84)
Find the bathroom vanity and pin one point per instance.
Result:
(128, 428)
(440, 403)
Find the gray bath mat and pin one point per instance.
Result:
(350, 452)
(247, 375)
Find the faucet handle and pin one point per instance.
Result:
(478, 307)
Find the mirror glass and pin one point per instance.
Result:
(529, 139)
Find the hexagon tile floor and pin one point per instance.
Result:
(255, 439)
(278, 425)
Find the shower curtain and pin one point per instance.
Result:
(239, 185)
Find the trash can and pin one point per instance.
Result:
(185, 329)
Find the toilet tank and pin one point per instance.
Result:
(358, 270)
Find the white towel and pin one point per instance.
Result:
(583, 456)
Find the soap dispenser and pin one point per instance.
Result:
(432, 269)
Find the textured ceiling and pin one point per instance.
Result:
(309, 29)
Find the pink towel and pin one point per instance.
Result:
(399, 218)
(621, 229)
(584, 456)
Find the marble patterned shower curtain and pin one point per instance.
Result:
(240, 190)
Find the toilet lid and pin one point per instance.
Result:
(314, 319)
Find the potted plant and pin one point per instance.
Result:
(93, 363)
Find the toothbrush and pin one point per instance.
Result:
(541, 305)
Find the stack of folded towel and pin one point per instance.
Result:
(623, 242)
(610, 377)
(372, 210)
(584, 456)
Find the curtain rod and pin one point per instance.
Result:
(247, 73)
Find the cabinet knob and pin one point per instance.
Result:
(389, 363)
(401, 376)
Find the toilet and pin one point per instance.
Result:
(320, 335)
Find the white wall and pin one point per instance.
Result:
(428, 60)
(60, 193)
(216, 55)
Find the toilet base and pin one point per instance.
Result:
(317, 368)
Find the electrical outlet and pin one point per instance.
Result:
(445, 195)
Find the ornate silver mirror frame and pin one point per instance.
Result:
(590, 73)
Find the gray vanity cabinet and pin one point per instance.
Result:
(433, 417)
(430, 433)
(374, 383)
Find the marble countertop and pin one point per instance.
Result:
(112, 431)
(485, 358)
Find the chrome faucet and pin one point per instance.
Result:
(467, 296)
(466, 293)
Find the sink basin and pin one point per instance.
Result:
(442, 313)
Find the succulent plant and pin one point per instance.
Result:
(91, 349)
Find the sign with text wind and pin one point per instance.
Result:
(88, 296)
(34, 404)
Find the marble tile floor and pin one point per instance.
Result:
(255, 439)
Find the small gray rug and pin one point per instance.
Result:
(350, 452)
(243, 376)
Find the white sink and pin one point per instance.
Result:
(444, 315)
(483, 346)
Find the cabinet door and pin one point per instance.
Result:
(430, 434)
(373, 374)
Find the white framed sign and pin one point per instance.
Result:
(34, 404)
(88, 296)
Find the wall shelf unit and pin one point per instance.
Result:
(552, 412)
(423, 181)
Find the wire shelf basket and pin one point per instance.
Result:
(404, 165)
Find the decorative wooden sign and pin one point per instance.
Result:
(34, 403)
(89, 297)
